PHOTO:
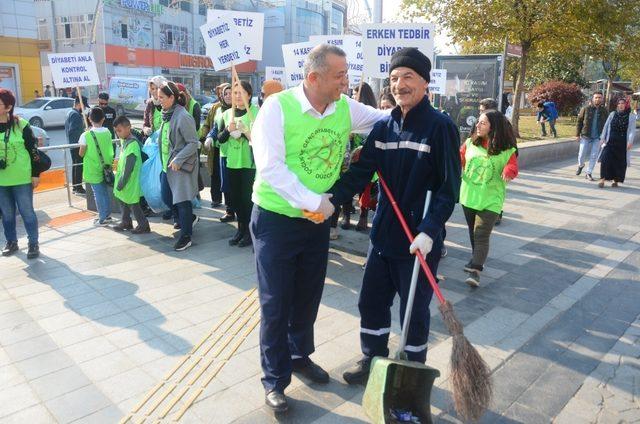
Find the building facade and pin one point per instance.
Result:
(20, 69)
(141, 38)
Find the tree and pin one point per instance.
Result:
(567, 97)
(563, 66)
(529, 23)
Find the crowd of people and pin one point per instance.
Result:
(287, 167)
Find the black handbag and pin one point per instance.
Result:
(43, 163)
(107, 170)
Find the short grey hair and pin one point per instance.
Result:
(316, 61)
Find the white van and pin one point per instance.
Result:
(128, 95)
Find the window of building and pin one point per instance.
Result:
(164, 3)
(185, 5)
(175, 38)
(72, 30)
(43, 30)
(308, 23)
(202, 7)
(337, 21)
(123, 31)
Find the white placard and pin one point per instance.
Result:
(73, 69)
(438, 83)
(381, 41)
(352, 46)
(274, 73)
(223, 44)
(250, 27)
(294, 56)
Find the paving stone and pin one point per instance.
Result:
(59, 383)
(44, 364)
(30, 348)
(77, 404)
(34, 414)
(16, 398)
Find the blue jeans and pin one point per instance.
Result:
(103, 200)
(22, 196)
(589, 147)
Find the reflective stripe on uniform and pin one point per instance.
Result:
(379, 332)
(410, 348)
(419, 147)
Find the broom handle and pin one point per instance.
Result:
(407, 231)
(412, 289)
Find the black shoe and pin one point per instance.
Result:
(589, 177)
(10, 248)
(216, 203)
(245, 240)
(80, 191)
(141, 230)
(276, 401)
(359, 373)
(176, 226)
(233, 241)
(346, 222)
(499, 220)
(182, 244)
(123, 227)
(580, 168)
(167, 215)
(34, 251)
(444, 252)
(228, 217)
(194, 220)
(310, 370)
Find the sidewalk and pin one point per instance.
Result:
(92, 326)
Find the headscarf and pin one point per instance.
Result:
(620, 122)
(223, 88)
(158, 80)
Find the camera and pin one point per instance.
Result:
(3, 164)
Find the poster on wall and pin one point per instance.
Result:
(469, 79)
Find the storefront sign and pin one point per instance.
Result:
(138, 5)
(224, 46)
(195, 61)
(73, 69)
(381, 41)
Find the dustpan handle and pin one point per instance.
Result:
(412, 289)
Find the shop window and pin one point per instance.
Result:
(67, 30)
(123, 31)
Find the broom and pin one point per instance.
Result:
(470, 375)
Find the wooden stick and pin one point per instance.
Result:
(84, 117)
(245, 98)
(360, 87)
(233, 101)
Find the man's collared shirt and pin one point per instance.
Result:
(269, 146)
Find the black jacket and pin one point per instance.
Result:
(414, 155)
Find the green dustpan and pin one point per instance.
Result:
(398, 383)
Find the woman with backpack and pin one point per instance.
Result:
(489, 162)
(19, 175)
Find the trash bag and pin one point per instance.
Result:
(150, 175)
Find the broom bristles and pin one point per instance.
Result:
(470, 375)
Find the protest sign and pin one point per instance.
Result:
(438, 82)
(274, 73)
(294, 56)
(381, 41)
(223, 44)
(249, 26)
(73, 69)
(352, 46)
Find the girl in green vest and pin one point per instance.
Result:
(489, 162)
(236, 134)
(127, 188)
(153, 111)
(96, 150)
(18, 176)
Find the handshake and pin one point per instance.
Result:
(324, 211)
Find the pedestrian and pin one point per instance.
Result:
(47, 91)
(386, 99)
(152, 118)
(229, 214)
(545, 116)
(489, 162)
(235, 131)
(269, 87)
(127, 188)
(109, 113)
(616, 141)
(589, 127)
(36, 94)
(74, 126)
(178, 146)
(211, 147)
(299, 139)
(96, 150)
(426, 159)
(193, 107)
(19, 176)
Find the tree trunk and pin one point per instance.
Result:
(519, 88)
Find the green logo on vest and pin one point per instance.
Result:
(319, 156)
(480, 170)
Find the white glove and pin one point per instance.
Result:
(423, 243)
(235, 133)
(326, 208)
(208, 143)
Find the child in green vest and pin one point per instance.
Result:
(127, 187)
(96, 150)
(489, 162)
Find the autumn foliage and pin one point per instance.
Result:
(567, 97)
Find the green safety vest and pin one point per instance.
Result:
(482, 185)
(314, 150)
(91, 166)
(156, 119)
(132, 191)
(14, 152)
(191, 105)
(238, 152)
(165, 145)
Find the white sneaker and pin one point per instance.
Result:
(474, 278)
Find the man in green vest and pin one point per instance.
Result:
(299, 139)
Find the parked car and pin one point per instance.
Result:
(45, 112)
(203, 99)
(128, 95)
(41, 135)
